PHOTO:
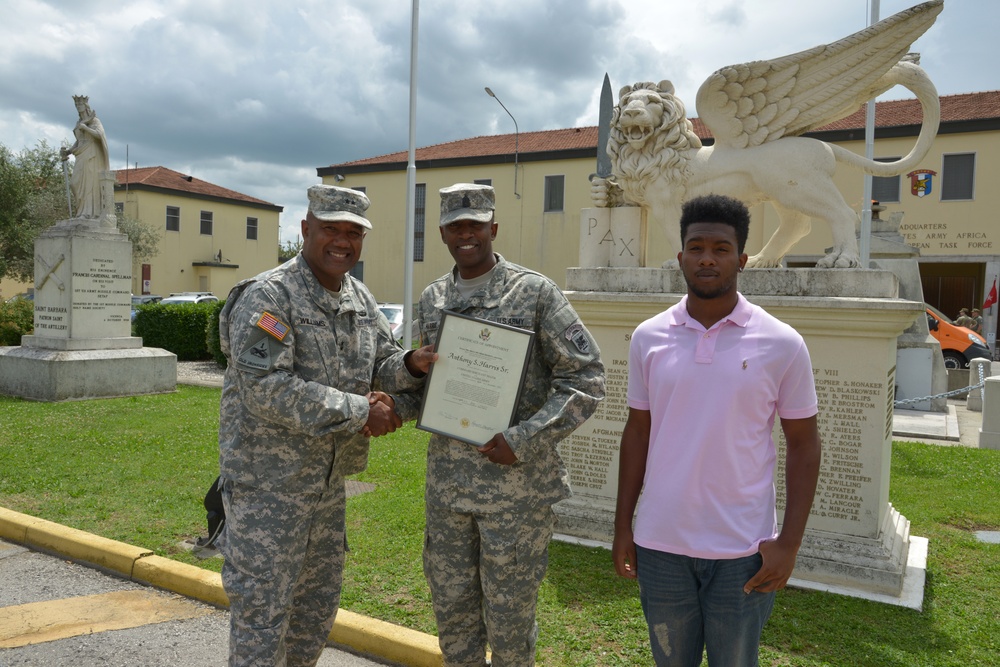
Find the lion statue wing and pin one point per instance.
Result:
(753, 103)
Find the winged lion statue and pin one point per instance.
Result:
(756, 112)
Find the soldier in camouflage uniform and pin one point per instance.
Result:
(489, 508)
(306, 344)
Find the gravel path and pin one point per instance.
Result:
(202, 373)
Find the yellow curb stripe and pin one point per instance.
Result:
(366, 635)
(70, 542)
(388, 641)
(189, 580)
(40, 622)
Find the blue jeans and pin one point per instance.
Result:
(693, 604)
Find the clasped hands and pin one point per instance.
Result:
(382, 417)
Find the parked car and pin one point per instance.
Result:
(141, 299)
(959, 345)
(190, 297)
(30, 296)
(394, 313)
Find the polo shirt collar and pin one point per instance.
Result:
(740, 315)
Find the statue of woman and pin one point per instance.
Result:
(91, 151)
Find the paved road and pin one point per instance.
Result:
(54, 612)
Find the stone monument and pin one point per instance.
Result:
(82, 345)
(850, 320)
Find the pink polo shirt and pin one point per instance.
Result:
(713, 396)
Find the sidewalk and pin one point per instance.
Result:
(959, 427)
(55, 612)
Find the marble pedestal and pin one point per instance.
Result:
(82, 345)
(850, 321)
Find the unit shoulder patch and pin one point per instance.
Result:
(259, 354)
(577, 335)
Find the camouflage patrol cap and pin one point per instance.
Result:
(467, 201)
(331, 204)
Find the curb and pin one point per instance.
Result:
(367, 636)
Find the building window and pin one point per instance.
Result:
(885, 189)
(484, 181)
(419, 218)
(251, 229)
(554, 186)
(358, 271)
(361, 188)
(206, 223)
(173, 218)
(120, 208)
(958, 176)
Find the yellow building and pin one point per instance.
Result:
(542, 186)
(210, 237)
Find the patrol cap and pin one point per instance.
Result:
(467, 201)
(332, 203)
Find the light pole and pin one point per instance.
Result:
(516, 133)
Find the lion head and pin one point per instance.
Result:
(649, 134)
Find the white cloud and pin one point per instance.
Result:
(255, 95)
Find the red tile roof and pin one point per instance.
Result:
(895, 113)
(167, 179)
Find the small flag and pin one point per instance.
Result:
(272, 325)
(992, 297)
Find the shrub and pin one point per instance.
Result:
(212, 334)
(175, 327)
(17, 318)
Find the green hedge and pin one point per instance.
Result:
(212, 334)
(176, 327)
(17, 318)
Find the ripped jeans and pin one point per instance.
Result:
(695, 604)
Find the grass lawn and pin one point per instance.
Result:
(136, 469)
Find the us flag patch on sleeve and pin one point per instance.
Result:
(272, 325)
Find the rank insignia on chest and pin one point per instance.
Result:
(272, 325)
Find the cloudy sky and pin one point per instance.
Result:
(255, 95)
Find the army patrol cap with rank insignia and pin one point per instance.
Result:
(467, 201)
(331, 204)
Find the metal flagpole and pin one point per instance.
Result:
(411, 188)
(865, 236)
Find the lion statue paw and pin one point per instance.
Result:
(840, 259)
(761, 262)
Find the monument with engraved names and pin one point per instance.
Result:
(82, 345)
(849, 316)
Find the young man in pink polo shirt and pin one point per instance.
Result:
(706, 379)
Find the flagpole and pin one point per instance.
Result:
(865, 233)
(411, 187)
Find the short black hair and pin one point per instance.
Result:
(717, 208)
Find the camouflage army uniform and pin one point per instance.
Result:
(489, 525)
(288, 433)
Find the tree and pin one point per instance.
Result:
(144, 238)
(289, 249)
(32, 197)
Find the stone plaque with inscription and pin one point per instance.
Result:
(82, 345)
(83, 293)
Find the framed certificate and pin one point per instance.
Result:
(472, 390)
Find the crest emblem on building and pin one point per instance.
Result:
(921, 182)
